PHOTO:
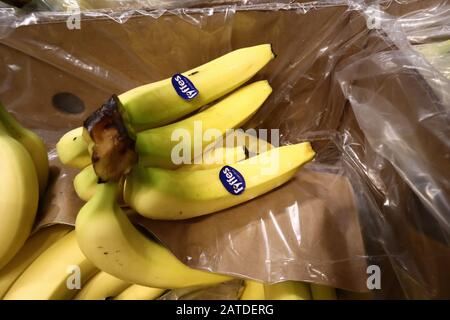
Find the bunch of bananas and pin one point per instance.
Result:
(125, 152)
(42, 270)
(24, 168)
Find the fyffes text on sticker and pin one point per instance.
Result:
(232, 180)
(184, 87)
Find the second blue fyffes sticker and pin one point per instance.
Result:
(232, 180)
(184, 87)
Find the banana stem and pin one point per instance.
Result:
(3, 130)
(106, 192)
(8, 124)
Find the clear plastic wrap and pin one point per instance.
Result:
(377, 192)
(400, 103)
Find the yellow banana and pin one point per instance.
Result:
(233, 148)
(237, 147)
(183, 141)
(172, 195)
(288, 290)
(253, 290)
(249, 141)
(241, 142)
(321, 292)
(137, 292)
(73, 150)
(85, 183)
(31, 142)
(157, 104)
(19, 196)
(101, 287)
(32, 248)
(114, 245)
(54, 274)
(215, 158)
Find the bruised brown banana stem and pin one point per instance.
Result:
(113, 153)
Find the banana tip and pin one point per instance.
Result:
(274, 54)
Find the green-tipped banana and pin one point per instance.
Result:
(32, 248)
(172, 195)
(114, 245)
(54, 275)
(101, 287)
(72, 149)
(31, 142)
(158, 103)
(253, 290)
(19, 196)
(321, 292)
(137, 292)
(183, 141)
(288, 290)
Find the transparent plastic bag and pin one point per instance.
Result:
(377, 192)
(401, 105)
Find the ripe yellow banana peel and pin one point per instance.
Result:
(108, 239)
(31, 142)
(86, 181)
(158, 104)
(137, 292)
(168, 146)
(32, 248)
(19, 196)
(48, 276)
(101, 287)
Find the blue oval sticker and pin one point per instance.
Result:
(232, 180)
(184, 87)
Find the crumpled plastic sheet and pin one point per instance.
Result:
(373, 107)
(401, 104)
